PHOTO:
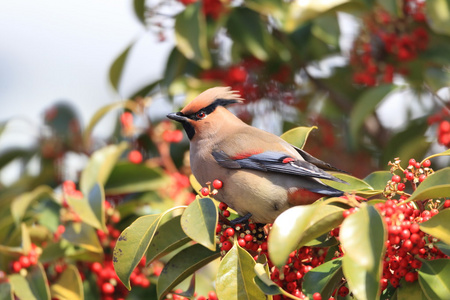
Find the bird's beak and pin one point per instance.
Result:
(177, 117)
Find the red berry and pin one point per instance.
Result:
(16, 266)
(204, 191)
(410, 277)
(412, 162)
(226, 213)
(229, 232)
(343, 291)
(248, 238)
(135, 157)
(414, 228)
(107, 288)
(422, 177)
(426, 163)
(447, 204)
(401, 186)
(217, 184)
(227, 245)
(434, 212)
(396, 178)
(409, 176)
(405, 234)
(317, 296)
(223, 206)
(126, 119)
(444, 127)
(96, 267)
(24, 261)
(242, 242)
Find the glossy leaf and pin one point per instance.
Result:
(445, 248)
(265, 284)
(199, 222)
(116, 69)
(365, 106)
(235, 276)
(195, 184)
(299, 225)
(434, 186)
(297, 136)
(132, 245)
(127, 177)
(6, 292)
(190, 35)
(83, 235)
(168, 237)
(323, 279)
(99, 114)
(362, 236)
(21, 203)
(378, 179)
(139, 10)
(410, 291)
(91, 208)
(245, 28)
(301, 11)
(438, 16)
(33, 286)
(69, 285)
(433, 278)
(438, 226)
(182, 265)
(100, 166)
(353, 184)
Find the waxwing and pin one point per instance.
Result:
(262, 174)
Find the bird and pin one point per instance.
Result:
(262, 175)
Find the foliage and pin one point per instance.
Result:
(129, 219)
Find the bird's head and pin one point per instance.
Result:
(206, 110)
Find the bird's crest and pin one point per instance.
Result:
(208, 97)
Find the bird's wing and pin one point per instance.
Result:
(315, 161)
(271, 161)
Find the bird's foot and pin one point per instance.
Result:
(241, 219)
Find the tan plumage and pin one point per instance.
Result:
(261, 173)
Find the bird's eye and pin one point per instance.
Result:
(201, 115)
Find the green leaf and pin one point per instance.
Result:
(21, 203)
(115, 71)
(362, 236)
(195, 184)
(25, 243)
(33, 286)
(297, 136)
(132, 245)
(299, 225)
(445, 153)
(99, 114)
(235, 276)
(168, 237)
(69, 285)
(365, 106)
(91, 208)
(445, 248)
(265, 284)
(127, 178)
(378, 179)
(246, 29)
(353, 184)
(410, 291)
(190, 35)
(182, 265)
(83, 235)
(435, 185)
(6, 292)
(437, 78)
(100, 166)
(439, 16)
(199, 222)
(323, 279)
(326, 29)
(139, 10)
(433, 278)
(302, 11)
(438, 226)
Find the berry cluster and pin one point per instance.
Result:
(387, 43)
(406, 242)
(25, 261)
(444, 133)
(211, 8)
(415, 173)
